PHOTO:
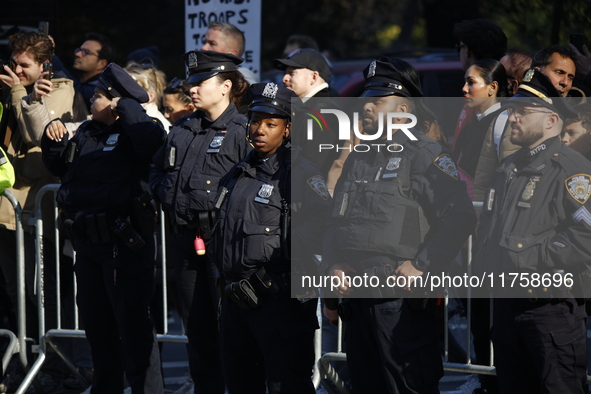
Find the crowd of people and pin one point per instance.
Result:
(249, 203)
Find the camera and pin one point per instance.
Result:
(578, 41)
(48, 67)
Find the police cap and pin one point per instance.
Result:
(118, 83)
(205, 64)
(383, 78)
(305, 58)
(537, 90)
(270, 98)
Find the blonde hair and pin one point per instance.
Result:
(149, 78)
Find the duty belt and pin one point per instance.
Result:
(202, 222)
(250, 293)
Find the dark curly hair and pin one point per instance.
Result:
(39, 46)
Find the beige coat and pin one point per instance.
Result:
(24, 151)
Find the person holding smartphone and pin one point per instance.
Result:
(24, 92)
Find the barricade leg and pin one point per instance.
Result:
(11, 349)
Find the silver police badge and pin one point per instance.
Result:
(111, 142)
(270, 90)
(216, 142)
(372, 69)
(113, 138)
(264, 193)
(319, 186)
(446, 164)
(393, 163)
(579, 187)
(192, 60)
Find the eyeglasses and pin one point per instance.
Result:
(460, 46)
(85, 52)
(522, 111)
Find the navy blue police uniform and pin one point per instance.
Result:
(266, 206)
(392, 207)
(184, 178)
(536, 221)
(104, 172)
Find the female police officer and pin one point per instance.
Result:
(266, 335)
(104, 170)
(200, 149)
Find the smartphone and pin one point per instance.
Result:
(47, 66)
(44, 28)
(578, 41)
(2, 64)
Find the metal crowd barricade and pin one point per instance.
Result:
(17, 342)
(47, 338)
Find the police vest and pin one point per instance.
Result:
(372, 210)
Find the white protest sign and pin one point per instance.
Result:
(244, 14)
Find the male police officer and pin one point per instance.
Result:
(536, 224)
(404, 210)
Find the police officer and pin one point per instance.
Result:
(104, 170)
(272, 197)
(402, 210)
(536, 222)
(200, 149)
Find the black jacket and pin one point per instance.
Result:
(248, 231)
(103, 168)
(535, 217)
(398, 206)
(197, 153)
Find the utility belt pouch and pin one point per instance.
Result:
(169, 157)
(97, 228)
(204, 219)
(243, 294)
(266, 284)
(125, 231)
(70, 152)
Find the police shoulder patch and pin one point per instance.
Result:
(446, 164)
(579, 187)
(319, 186)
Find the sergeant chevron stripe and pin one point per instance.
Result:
(582, 214)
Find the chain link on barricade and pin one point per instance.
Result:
(47, 337)
(17, 341)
